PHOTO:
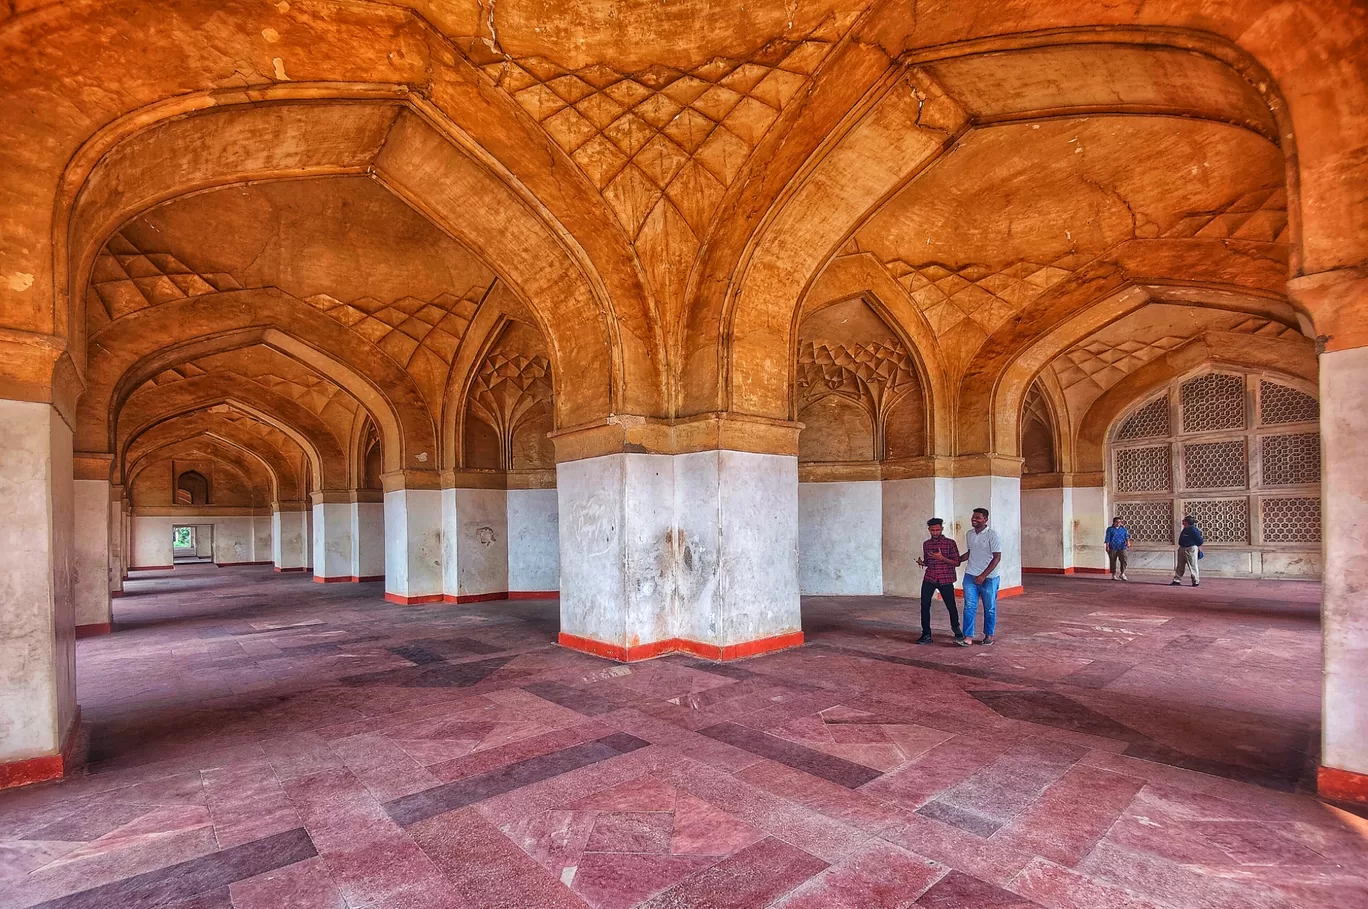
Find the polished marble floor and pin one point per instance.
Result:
(257, 741)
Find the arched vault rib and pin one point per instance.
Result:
(416, 160)
(131, 350)
(255, 469)
(1248, 276)
(1295, 357)
(290, 481)
(743, 302)
(327, 460)
(864, 276)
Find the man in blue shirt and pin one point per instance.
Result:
(1190, 541)
(1118, 541)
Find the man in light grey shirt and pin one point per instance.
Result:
(983, 553)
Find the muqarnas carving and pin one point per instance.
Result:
(508, 408)
(858, 391)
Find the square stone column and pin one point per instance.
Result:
(38, 712)
(91, 563)
(1344, 612)
(332, 542)
(1000, 493)
(118, 541)
(907, 505)
(474, 543)
(413, 537)
(695, 551)
(290, 536)
(368, 535)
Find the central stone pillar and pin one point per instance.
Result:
(992, 482)
(368, 535)
(1344, 615)
(332, 528)
(691, 550)
(37, 610)
(1337, 302)
(90, 575)
(413, 537)
(290, 536)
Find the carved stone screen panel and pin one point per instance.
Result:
(1220, 520)
(1215, 465)
(1148, 522)
(1150, 421)
(1144, 469)
(1279, 404)
(1240, 451)
(1292, 520)
(1291, 460)
(1212, 402)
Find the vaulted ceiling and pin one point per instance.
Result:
(265, 227)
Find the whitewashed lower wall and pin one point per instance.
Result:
(237, 538)
(533, 540)
(840, 538)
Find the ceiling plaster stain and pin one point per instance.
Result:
(20, 281)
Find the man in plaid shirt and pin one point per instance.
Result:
(940, 556)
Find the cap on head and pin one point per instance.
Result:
(935, 522)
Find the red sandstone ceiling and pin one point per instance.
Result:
(302, 216)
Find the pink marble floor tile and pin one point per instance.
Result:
(303, 885)
(878, 875)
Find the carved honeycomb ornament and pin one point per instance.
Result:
(1292, 520)
(1280, 404)
(867, 372)
(1148, 521)
(1150, 421)
(1291, 460)
(1221, 520)
(1216, 465)
(1213, 401)
(1248, 487)
(1144, 469)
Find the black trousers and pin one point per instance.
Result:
(947, 592)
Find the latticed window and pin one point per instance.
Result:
(1221, 520)
(1215, 465)
(1240, 452)
(1144, 469)
(1213, 401)
(1292, 520)
(1150, 521)
(1291, 460)
(1150, 421)
(1279, 404)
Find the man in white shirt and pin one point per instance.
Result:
(983, 553)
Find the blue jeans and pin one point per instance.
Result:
(972, 593)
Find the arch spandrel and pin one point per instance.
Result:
(1292, 356)
(249, 464)
(287, 461)
(149, 406)
(132, 350)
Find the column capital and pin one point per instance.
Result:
(293, 505)
(1062, 480)
(1337, 301)
(626, 433)
(411, 479)
(92, 465)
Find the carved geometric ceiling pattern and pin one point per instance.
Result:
(1258, 215)
(987, 296)
(868, 372)
(421, 335)
(126, 279)
(1103, 364)
(663, 131)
